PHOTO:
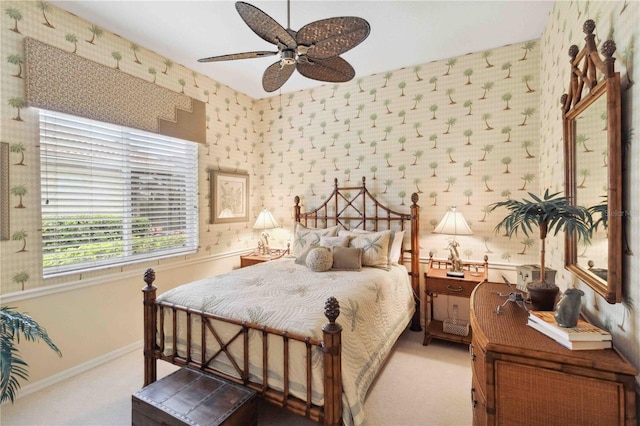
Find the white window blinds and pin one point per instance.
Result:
(112, 196)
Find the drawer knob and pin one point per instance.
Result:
(458, 289)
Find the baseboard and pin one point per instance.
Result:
(78, 369)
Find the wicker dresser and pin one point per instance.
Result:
(522, 377)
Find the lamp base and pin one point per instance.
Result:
(455, 274)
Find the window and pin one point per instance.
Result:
(112, 196)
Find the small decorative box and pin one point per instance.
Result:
(455, 326)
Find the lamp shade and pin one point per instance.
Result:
(453, 223)
(266, 221)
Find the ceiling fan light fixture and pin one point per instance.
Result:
(288, 57)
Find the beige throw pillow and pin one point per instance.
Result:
(302, 257)
(303, 237)
(375, 246)
(319, 259)
(347, 259)
(335, 241)
(395, 248)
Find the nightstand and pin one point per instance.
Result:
(437, 282)
(254, 258)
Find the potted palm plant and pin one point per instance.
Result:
(14, 324)
(549, 213)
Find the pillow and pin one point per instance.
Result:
(396, 247)
(375, 247)
(303, 236)
(319, 259)
(302, 257)
(347, 259)
(335, 241)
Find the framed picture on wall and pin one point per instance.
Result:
(230, 197)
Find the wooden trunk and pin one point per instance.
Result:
(191, 397)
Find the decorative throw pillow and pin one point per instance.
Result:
(347, 258)
(335, 241)
(396, 247)
(302, 257)
(319, 259)
(304, 236)
(375, 247)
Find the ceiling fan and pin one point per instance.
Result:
(313, 50)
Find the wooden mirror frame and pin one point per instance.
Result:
(584, 90)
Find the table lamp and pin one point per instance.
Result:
(265, 221)
(453, 223)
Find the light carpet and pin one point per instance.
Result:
(419, 385)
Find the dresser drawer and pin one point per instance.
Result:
(566, 398)
(449, 286)
(478, 404)
(478, 366)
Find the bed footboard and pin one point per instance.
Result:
(154, 348)
(149, 311)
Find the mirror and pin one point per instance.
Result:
(593, 171)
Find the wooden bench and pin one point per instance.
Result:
(191, 397)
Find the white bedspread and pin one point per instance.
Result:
(375, 307)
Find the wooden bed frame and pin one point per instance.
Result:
(340, 208)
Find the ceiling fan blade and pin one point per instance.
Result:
(334, 70)
(276, 75)
(234, 56)
(264, 25)
(333, 36)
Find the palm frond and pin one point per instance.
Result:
(601, 212)
(553, 210)
(17, 323)
(13, 368)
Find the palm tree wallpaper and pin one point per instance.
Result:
(467, 131)
(437, 129)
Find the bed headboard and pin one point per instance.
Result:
(354, 207)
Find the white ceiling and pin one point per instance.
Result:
(403, 33)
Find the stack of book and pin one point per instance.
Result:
(583, 336)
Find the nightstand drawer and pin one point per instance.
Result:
(450, 286)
